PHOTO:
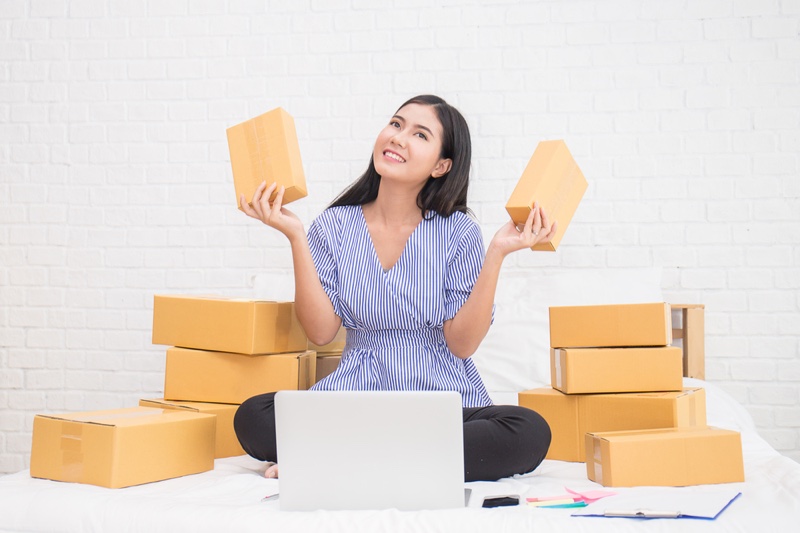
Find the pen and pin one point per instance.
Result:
(643, 513)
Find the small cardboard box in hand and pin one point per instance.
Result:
(553, 179)
(265, 148)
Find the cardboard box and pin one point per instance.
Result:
(265, 148)
(590, 326)
(571, 416)
(336, 345)
(553, 179)
(688, 333)
(665, 457)
(226, 443)
(326, 364)
(219, 377)
(227, 324)
(597, 370)
(122, 447)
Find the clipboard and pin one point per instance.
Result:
(676, 503)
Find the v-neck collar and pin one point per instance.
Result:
(375, 250)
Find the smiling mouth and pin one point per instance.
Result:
(392, 155)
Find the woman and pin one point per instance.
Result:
(397, 260)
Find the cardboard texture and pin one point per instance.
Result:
(227, 324)
(665, 457)
(688, 333)
(265, 148)
(553, 179)
(336, 345)
(590, 326)
(122, 447)
(571, 416)
(225, 444)
(326, 364)
(218, 377)
(598, 370)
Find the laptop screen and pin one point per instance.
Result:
(370, 450)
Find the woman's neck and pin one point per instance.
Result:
(394, 206)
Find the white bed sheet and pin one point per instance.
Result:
(229, 499)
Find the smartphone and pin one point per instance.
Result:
(500, 501)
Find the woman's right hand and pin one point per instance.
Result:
(537, 229)
(273, 215)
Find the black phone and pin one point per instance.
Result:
(500, 501)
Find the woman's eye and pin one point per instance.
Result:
(394, 123)
(422, 135)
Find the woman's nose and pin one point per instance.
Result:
(399, 138)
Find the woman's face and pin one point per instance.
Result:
(408, 149)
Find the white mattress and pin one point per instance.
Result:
(229, 499)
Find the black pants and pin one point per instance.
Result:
(499, 441)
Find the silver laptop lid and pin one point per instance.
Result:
(370, 450)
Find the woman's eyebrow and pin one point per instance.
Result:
(420, 126)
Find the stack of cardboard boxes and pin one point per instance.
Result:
(223, 352)
(617, 401)
(228, 350)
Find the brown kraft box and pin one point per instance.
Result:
(236, 325)
(553, 179)
(219, 377)
(265, 148)
(673, 457)
(122, 447)
(590, 326)
(632, 369)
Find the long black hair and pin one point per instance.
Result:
(445, 194)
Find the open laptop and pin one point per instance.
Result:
(355, 450)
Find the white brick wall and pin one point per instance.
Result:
(115, 181)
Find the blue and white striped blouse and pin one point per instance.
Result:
(394, 318)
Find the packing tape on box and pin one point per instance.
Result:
(283, 322)
(255, 135)
(559, 378)
(598, 461)
(145, 411)
(72, 450)
(567, 185)
(307, 373)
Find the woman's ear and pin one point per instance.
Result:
(441, 168)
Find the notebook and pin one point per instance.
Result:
(357, 450)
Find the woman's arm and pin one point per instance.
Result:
(469, 326)
(312, 305)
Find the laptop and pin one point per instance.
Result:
(353, 450)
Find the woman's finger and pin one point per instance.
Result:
(246, 207)
(537, 219)
(545, 222)
(266, 208)
(256, 203)
(277, 202)
(526, 230)
(553, 230)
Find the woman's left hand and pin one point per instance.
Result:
(537, 230)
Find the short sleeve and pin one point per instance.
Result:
(324, 258)
(463, 269)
